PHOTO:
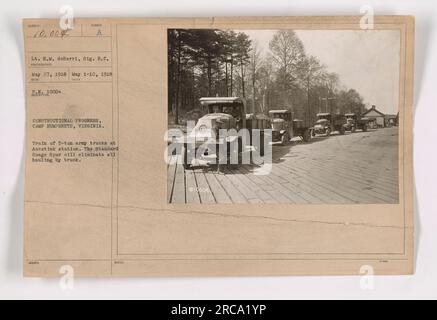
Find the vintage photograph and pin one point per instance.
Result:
(283, 116)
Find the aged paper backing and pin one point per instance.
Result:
(110, 217)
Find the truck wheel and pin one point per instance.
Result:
(285, 139)
(328, 132)
(307, 135)
(353, 129)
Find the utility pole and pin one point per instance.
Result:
(308, 115)
(330, 104)
(264, 99)
(232, 74)
(226, 68)
(320, 104)
(253, 94)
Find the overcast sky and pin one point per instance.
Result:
(367, 61)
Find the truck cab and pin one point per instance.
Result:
(327, 123)
(351, 122)
(232, 106)
(355, 122)
(284, 127)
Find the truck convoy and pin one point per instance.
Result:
(229, 113)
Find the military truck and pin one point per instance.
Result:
(355, 122)
(222, 113)
(284, 127)
(327, 123)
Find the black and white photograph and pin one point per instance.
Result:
(283, 116)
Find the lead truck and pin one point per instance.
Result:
(221, 113)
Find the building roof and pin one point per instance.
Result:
(374, 110)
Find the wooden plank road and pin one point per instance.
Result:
(360, 167)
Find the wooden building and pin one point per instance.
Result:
(375, 116)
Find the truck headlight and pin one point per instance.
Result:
(202, 128)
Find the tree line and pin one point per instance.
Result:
(208, 63)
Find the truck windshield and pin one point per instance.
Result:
(233, 110)
(279, 116)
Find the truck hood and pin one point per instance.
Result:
(277, 120)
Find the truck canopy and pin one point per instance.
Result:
(279, 111)
(251, 116)
(220, 100)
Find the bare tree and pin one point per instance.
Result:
(266, 84)
(288, 53)
(255, 63)
(312, 75)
